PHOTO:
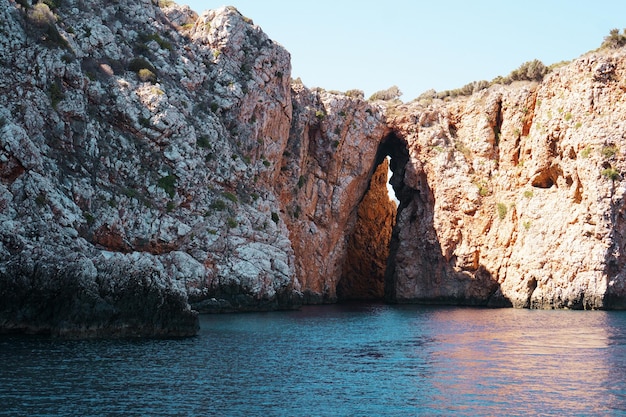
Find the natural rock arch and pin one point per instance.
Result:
(368, 259)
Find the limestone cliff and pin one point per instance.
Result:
(519, 193)
(155, 163)
(151, 158)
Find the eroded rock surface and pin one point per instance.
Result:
(521, 192)
(155, 163)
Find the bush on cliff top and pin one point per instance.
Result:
(392, 93)
(614, 39)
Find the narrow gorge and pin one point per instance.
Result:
(156, 164)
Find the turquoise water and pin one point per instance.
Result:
(356, 360)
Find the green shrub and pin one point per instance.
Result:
(585, 152)
(41, 15)
(41, 200)
(614, 39)
(232, 223)
(501, 210)
(53, 4)
(527, 224)
(354, 93)
(466, 90)
(56, 94)
(533, 70)
(320, 114)
(163, 44)
(392, 93)
(137, 64)
(168, 184)
(483, 190)
(301, 181)
(275, 217)
(609, 151)
(528, 193)
(266, 163)
(230, 196)
(89, 218)
(611, 173)
(146, 75)
(203, 142)
(218, 205)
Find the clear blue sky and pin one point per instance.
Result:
(419, 45)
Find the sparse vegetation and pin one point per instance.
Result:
(585, 152)
(230, 196)
(614, 39)
(354, 93)
(146, 75)
(232, 223)
(89, 218)
(528, 193)
(611, 173)
(466, 90)
(41, 200)
(41, 15)
(55, 93)
(137, 64)
(168, 184)
(529, 71)
(145, 38)
(203, 142)
(43, 22)
(502, 210)
(527, 224)
(320, 114)
(392, 93)
(609, 152)
(218, 205)
(483, 189)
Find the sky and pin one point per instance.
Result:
(417, 45)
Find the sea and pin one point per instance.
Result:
(333, 360)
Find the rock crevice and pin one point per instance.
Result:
(153, 159)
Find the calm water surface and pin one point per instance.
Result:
(358, 360)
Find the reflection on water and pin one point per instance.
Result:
(334, 360)
(558, 361)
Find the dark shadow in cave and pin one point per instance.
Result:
(413, 267)
(369, 246)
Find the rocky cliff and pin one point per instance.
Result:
(518, 193)
(155, 163)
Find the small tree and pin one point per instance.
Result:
(614, 39)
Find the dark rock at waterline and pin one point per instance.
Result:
(74, 296)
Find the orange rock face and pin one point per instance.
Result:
(363, 276)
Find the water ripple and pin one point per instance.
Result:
(334, 361)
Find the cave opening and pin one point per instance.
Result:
(369, 256)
